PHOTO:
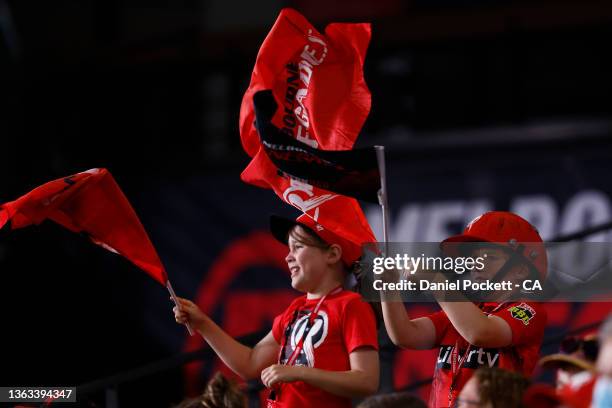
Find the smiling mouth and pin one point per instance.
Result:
(294, 270)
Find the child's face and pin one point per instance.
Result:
(494, 260)
(307, 264)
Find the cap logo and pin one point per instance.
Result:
(471, 223)
(294, 196)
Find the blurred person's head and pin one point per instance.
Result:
(575, 361)
(393, 400)
(493, 388)
(541, 396)
(219, 393)
(602, 394)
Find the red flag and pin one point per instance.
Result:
(90, 202)
(318, 80)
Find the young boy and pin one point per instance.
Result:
(503, 334)
(323, 350)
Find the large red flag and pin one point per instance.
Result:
(318, 80)
(90, 202)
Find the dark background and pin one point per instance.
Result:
(474, 100)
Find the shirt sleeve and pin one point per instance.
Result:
(280, 322)
(526, 320)
(359, 326)
(440, 322)
(277, 328)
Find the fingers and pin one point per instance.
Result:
(181, 317)
(185, 311)
(184, 305)
(183, 302)
(267, 376)
(271, 376)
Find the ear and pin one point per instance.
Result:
(334, 253)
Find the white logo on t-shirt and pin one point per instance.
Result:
(316, 336)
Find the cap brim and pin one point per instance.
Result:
(555, 361)
(451, 245)
(280, 227)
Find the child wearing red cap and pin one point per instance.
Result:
(323, 350)
(502, 334)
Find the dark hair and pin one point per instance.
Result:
(394, 400)
(502, 388)
(219, 393)
(308, 237)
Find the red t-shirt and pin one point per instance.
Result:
(527, 321)
(344, 323)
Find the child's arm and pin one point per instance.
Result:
(360, 381)
(245, 361)
(476, 327)
(404, 332)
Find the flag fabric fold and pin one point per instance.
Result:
(90, 203)
(353, 173)
(324, 101)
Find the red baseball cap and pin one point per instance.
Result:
(505, 229)
(281, 226)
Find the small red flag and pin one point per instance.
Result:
(90, 202)
(318, 81)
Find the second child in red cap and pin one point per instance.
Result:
(323, 350)
(500, 333)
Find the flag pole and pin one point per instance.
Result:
(382, 195)
(175, 300)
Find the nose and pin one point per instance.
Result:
(289, 257)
